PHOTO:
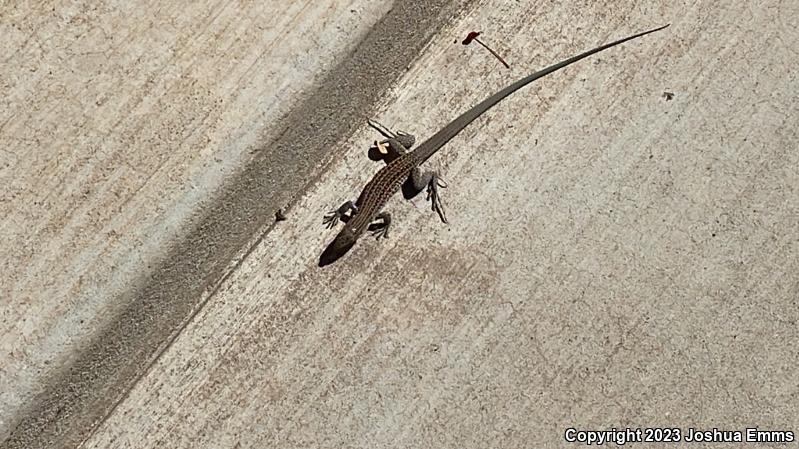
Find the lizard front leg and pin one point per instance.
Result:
(380, 230)
(332, 218)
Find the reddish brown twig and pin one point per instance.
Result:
(472, 36)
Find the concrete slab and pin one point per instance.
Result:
(117, 210)
(614, 258)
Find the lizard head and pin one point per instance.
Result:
(339, 246)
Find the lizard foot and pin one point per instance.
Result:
(380, 230)
(432, 195)
(332, 218)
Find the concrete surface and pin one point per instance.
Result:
(613, 258)
(177, 183)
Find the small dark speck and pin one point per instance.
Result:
(668, 96)
(713, 234)
(280, 215)
(651, 156)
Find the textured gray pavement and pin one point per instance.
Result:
(614, 258)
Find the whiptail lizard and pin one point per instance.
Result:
(403, 165)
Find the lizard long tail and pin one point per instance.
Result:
(431, 145)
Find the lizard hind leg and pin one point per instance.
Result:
(398, 143)
(432, 182)
(332, 218)
(405, 139)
